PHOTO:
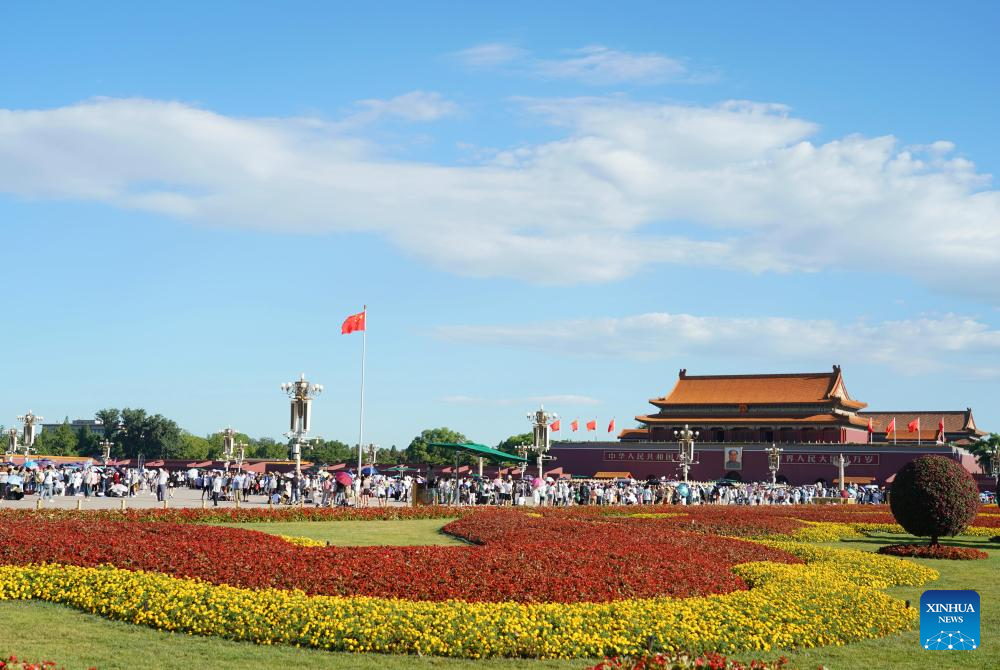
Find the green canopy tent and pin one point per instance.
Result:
(481, 451)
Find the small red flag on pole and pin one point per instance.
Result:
(611, 426)
(891, 430)
(941, 430)
(914, 426)
(592, 425)
(574, 425)
(555, 425)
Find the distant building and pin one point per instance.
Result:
(811, 416)
(95, 427)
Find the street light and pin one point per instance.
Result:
(30, 422)
(841, 463)
(301, 394)
(240, 454)
(774, 462)
(995, 465)
(540, 420)
(685, 441)
(228, 445)
(106, 445)
(11, 444)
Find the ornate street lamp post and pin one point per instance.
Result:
(540, 420)
(11, 443)
(841, 463)
(995, 465)
(106, 451)
(301, 394)
(685, 441)
(241, 452)
(774, 462)
(30, 431)
(228, 446)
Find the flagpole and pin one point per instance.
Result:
(361, 419)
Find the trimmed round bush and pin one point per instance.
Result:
(934, 497)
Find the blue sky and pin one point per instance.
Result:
(561, 203)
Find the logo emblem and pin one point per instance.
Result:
(949, 620)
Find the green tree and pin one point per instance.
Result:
(511, 444)
(420, 451)
(193, 447)
(59, 442)
(331, 451)
(88, 443)
(162, 437)
(269, 448)
(983, 450)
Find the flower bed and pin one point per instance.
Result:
(710, 661)
(243, 514)
(557, 560)
(937, 551)
(791, 605)
(576, 582)
(15, 663)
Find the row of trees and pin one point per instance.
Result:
(133, 431)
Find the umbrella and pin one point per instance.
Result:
(536, 483)
(344, 478)
(369, 470)
(31, 465)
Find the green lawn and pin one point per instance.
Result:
(360, 533)
(904, 650)
(40, 630)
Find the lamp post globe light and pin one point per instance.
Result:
(241, 452)
(106, 445)
(228, 445)
(30, 422)
(774, 461)
(841, 463)
(301, 394)
(995, 465)
(540, 443)
(685, 442)
(11, 449)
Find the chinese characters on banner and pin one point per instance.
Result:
(662, 455)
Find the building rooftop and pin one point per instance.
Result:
(765, 389)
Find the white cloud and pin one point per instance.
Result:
(412, 106)
(492, 54)
(909, 346)
(596, 64)
(600, 65)
(568, 399)
(628, 185)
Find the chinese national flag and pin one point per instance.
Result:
(574, 425)
(871, 428)
(611, 426)
(353, 323)
(592, 425)
(914, 426)
(891, 428)
(941, 430)
(554, 426)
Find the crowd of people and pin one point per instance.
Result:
(49, 480)
(564, 492)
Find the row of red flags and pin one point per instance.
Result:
(913, 427)
(574, 425)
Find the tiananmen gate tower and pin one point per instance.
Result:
(811, 416)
